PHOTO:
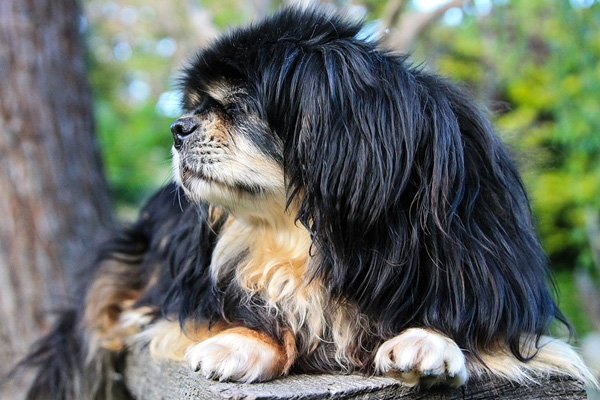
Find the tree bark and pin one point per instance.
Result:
(54, 200)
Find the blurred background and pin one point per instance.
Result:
(533, 64)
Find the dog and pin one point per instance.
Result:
(333, 209)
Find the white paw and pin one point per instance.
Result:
(236, 356)
(422, 356)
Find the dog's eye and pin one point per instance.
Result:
(231, 107)
(205, 104)
(236, 108)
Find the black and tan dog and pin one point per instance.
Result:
(334, 210)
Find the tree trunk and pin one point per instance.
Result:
(53, 196)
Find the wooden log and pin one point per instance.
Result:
(148, 379)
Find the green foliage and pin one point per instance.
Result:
(571, 304)
(554, 74)
(135, 139)
(135, 145)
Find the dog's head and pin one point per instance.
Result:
(289, 109)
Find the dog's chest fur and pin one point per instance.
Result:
(271, 264)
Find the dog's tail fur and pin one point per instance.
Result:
(64, 370)
(56, 358)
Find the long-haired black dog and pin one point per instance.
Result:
(334, 210)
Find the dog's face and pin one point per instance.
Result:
(225, 153)
(270, 124)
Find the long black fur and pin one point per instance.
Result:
(415, 208)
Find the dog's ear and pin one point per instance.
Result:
(351, 128)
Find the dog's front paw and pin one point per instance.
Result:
(238, 354)
(421, 356)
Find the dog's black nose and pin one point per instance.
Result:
(182, 128)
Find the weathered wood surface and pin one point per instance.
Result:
(166, 380)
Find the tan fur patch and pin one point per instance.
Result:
(168, 341)
(192, 97)
(112, 293)
(290, 349)
(275, 268)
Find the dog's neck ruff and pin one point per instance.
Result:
(270, 263)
